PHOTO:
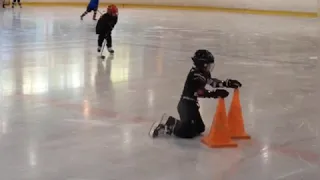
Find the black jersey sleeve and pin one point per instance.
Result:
(115, 21)
(215, 83)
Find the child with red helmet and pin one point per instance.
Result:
(105, 26)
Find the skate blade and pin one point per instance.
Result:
(102, 57)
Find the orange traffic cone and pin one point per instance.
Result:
(235, 119)
(219, 135)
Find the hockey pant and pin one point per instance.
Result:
(107, 37)
(88, 10)
(190, 124)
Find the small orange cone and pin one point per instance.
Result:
(235, 119)
(219, 135)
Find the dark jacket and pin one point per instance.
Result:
(106, 23)
(194, 86)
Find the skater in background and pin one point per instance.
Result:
(14, 3)
(190, 124)
(105, 26)
(3, 3)
(92, 6)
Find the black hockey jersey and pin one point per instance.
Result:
(195, 84)
(106, 23)
(196, 81)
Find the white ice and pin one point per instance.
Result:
(66, 115)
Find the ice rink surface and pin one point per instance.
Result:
(66, 115)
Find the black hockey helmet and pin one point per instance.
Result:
(203, 59)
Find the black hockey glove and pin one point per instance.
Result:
(219, 93)
(231, 83)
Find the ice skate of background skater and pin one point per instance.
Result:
(14, 3)
(105, 26)
(92, 6)
(190, 124)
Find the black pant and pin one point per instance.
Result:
(14, 1)
(191, 123)
(89, 8)
(106, 36)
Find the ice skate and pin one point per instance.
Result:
(170, 123)
(94, 16)
(159, 128)
(83, 15)
(110, 50)
(156, 130)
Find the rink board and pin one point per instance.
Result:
(186, 7)
(7, 2)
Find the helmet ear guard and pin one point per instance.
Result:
(210, 67)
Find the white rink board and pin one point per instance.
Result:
(273, 5)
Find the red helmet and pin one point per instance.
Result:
(113, 10)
